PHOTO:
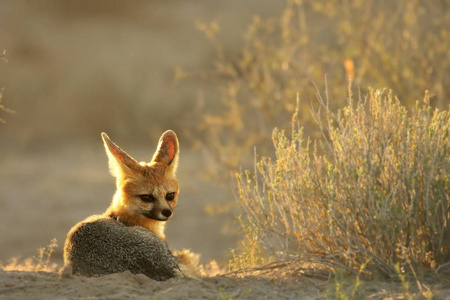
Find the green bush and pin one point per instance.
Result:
(373, 191)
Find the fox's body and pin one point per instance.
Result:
(101, 245)
(130, 234)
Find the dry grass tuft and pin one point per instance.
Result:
(3, 107)
(373, 192)
(41, 262)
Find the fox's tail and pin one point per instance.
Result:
(188, 262)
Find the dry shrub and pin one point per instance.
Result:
(373, 192)
(376, 43)
(3, 107)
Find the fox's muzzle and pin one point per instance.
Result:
(158, 215)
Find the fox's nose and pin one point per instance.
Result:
(166, 213)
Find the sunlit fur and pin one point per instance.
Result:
(146, 179)
(157, 178)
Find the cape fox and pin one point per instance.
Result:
(130, 234)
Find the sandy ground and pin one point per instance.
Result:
(46, 285)
(30, 285)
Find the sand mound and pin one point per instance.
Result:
(45, 285)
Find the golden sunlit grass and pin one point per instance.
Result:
(372, 196)
(41, 262)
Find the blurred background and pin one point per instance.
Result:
(222, 74)
(77, 68)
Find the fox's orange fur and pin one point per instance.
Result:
(156, 179)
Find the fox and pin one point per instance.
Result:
(129, 235)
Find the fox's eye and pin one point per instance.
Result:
(147, 198)
(170, 196)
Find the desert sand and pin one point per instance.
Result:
(42, 285)
(48, 285)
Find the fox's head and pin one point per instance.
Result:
(146, 193)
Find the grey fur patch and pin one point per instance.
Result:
(101, 245)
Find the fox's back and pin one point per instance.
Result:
(103, 245)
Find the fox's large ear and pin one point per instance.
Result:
(120, 163)
(167, 151)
